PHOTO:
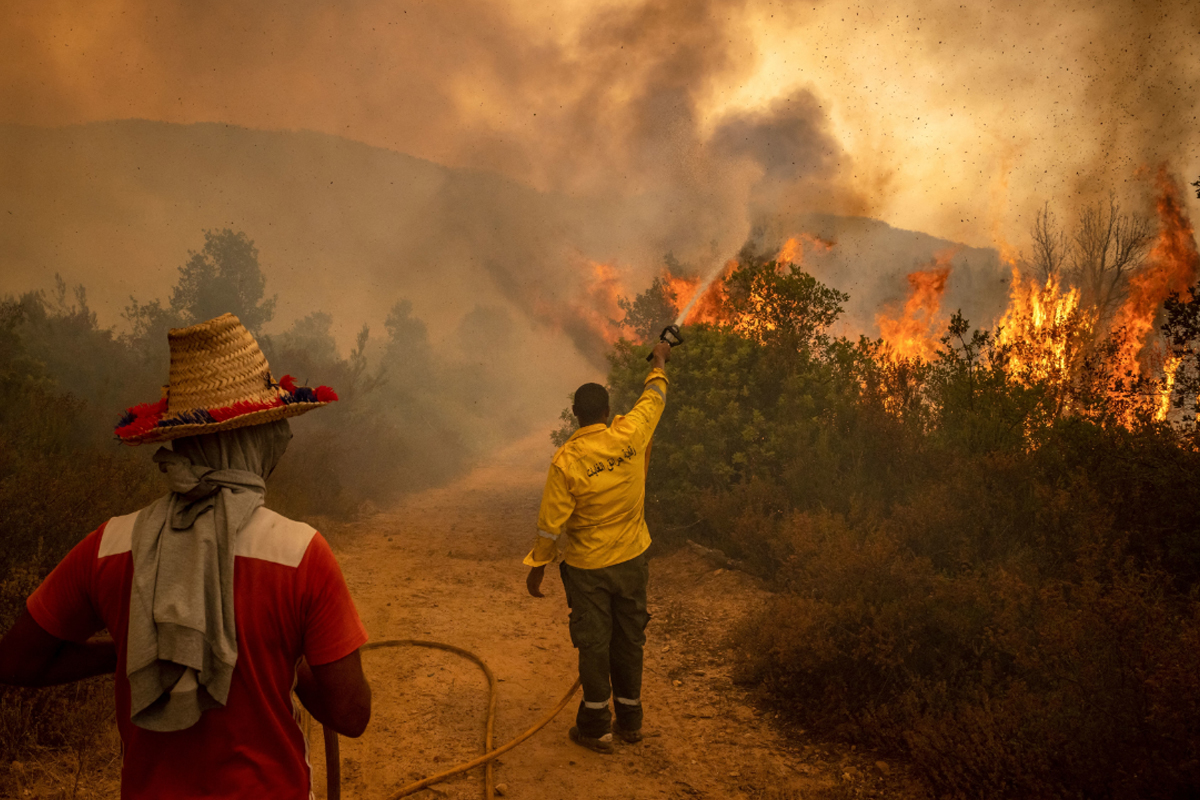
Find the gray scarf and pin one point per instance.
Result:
(182, 645)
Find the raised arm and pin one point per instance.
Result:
(643, 417)
(660, 355)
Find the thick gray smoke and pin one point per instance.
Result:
(553, 138)
(625, 163)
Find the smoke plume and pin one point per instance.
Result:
(613, 132)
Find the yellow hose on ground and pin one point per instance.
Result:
(333, 764)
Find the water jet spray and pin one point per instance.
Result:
(701, 290)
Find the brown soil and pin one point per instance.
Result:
(445, 565)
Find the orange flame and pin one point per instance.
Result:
(590, 318)
(1163, 404)
(599, 307)
(914, 334)
(1039, 336)
(1171, 267)
(792, 251)
(1040, 328)
(710, 306)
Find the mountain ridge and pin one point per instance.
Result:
(350, 228)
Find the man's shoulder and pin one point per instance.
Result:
(116, 537)
(567, 454)
(267, 536)
(270, 536)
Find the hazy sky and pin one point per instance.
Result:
(955, 118)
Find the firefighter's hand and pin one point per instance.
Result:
(660, 355)
(534, 582)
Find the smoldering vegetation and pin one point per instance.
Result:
(989, 572)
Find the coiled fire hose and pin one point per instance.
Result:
(333, 763)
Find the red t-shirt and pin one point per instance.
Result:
(290, 599)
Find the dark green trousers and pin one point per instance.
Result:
(608, 627)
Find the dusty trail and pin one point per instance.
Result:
(445, 565)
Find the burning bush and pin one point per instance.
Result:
(984, 559)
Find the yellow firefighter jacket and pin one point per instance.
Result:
(596, 490)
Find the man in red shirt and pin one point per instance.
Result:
(217, 607)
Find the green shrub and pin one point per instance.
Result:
(56, 486)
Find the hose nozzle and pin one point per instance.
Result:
(671, 336)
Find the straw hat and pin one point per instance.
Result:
(219, 380)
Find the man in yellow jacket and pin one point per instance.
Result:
(593, 506)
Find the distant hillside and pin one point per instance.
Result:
(350, 229)
(871, 259)
(340, 226)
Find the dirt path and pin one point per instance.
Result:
(445, 565)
